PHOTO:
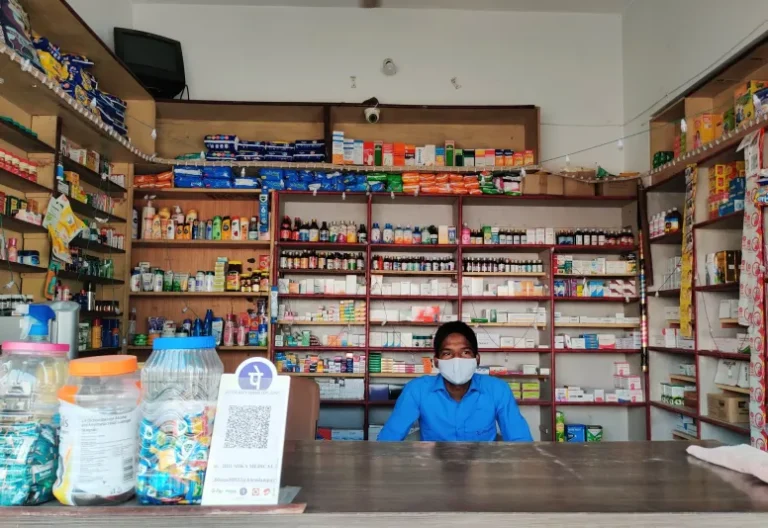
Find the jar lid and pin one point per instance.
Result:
(103, 366)
(54, 349)
(177, 343)
(235, 263)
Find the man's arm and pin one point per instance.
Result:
(406, 412)
(513, 426)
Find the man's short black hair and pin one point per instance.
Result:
(455, 327)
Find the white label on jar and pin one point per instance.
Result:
(97, 452)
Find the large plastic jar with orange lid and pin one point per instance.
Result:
(99, 410)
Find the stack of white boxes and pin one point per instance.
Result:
(341, 388)
(627, 388)
(671, 276)
(406, 287)
(349, 285)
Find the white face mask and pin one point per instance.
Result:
(457, 370)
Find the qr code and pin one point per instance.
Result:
(247, 427)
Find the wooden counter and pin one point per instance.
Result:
(444, 485)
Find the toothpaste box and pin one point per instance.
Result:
(387, 154)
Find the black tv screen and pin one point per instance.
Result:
(156, 61)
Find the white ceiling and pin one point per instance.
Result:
(571, 6)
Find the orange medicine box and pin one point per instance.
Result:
(519, 159)
(704, 129)
(528, 158)
(399, 154)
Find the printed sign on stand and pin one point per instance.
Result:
(247, 446)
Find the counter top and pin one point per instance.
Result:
(375, 484)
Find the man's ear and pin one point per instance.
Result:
(478, 358)
(435, 361)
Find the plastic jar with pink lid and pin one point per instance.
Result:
(31, 375)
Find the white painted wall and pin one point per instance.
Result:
(104, 15)
(660, 54)
(568, 64)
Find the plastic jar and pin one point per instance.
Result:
(99, 408)
(180, 387)
(30, 376)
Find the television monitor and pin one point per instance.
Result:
(156, 61)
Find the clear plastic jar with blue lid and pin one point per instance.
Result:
(180, 387)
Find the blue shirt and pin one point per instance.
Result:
(443, 419)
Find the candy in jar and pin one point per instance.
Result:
(180, 387)
(30, 376)
(99, 409)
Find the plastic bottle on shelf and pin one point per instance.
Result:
(324, 232)
(13, 252)
(389, 234)
(398, 235)
(676, 220)
(466, 235)
(351, 233)
(314, 231)
(416, 235)
(375, 234)
(362, 234)
(407, 235)
(178, 216)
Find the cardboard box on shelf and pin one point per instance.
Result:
(574, 187)
(543, 182)
(618, 187)
(743, 100)
(731, 408)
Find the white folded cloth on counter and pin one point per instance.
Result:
(742, 458)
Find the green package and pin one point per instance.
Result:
(594, 433)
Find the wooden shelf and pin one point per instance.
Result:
(438, 298)
(676, 351)
(728, 287)
(17, 267)
(81, 277)
(679, 409)
(736, 428)
(322, 375)
(199, 294)
(415, 273)
(202, 244)
(321, 323)
(320, 296)
(729, 221)
(724, 355)
(671, 292)
(683, 436)
(318, 349)
(731, 388)
(20, 226)
(604, 276)
(90, 211)
(96, 247)
(673, 239)
(22, 139)
(93, 178)
(597, 325)
(625, 300)
(505, 248)
(511, 298)
(684, 379)
(597, 351)
(501, 274)
(322, 271)
(414, 248)
(13, 181)
(198, 194)
(329, 246)
(600, 404)
(594, 250)
(731, 321)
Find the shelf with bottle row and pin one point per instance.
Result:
(202, 244)
(24, 140)
(319, 348)
(82, 277)
(600, 249)
(415, 248)
(674, 351)
(612, 299)
(674, 238)
(503, 274)
(91, 177)
(96, 247)
(414, 273)
(18, 267)
(21, 184)
(199, 294)
(505, 248)
(322, 246)
(315, 271)
(324, 375)
(437, 298)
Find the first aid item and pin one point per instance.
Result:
(30, 376)
(99, 409)
(180, 387)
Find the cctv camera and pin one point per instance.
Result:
(372, 115)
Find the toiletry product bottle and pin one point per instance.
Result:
(235, 235)
(209, 230)
(389, 234)
(333, 232)
(676, 219)
(341, 235)
(147, 216)
(13, 252)
(216, 228)
(229, 331)
(191, 216)
(178, 216)
(416, 235)
(407, 235)
(226, 228)
(324, 232)
(466, 235)
(398, 235)
(375, 234)
(362, 235)
(157, 230)
(244, 228)
(170, 230)
(351, 233)
(253, 229)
